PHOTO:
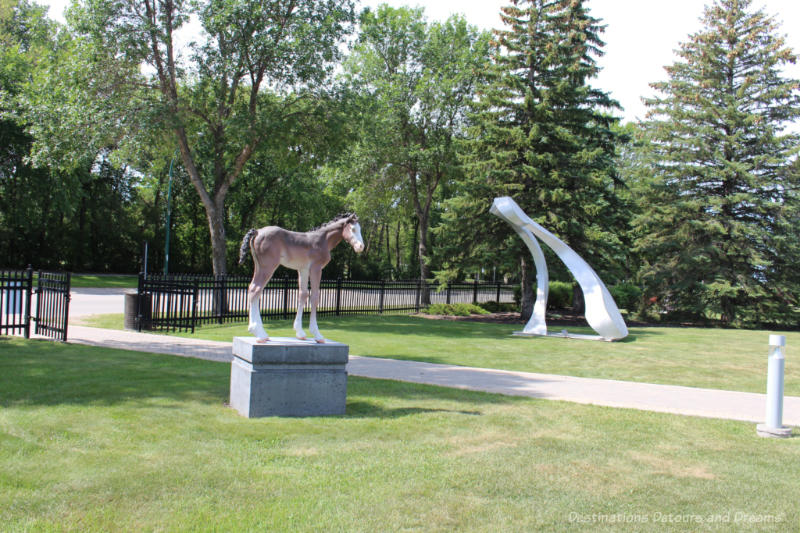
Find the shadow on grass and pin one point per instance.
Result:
(46, 373)
(37, 373)
(454, 329)
(371, 410)
(407, 325)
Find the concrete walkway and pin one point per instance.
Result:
(710, 403)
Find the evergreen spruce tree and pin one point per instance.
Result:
(542, 135)
(715, 229)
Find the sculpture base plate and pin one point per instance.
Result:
(776, 433)
(563, 334)
(288, 377)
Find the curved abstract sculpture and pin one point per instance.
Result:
(601, 310)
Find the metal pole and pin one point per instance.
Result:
(775, 370)
(169, 212)
(145, 258)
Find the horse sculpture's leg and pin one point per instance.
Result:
(316, 275)
(302, 296)
(260, 278)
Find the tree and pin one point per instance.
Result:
(542, 135)
(415, 80)
(221, 100)
(52, 217)
(717, 207)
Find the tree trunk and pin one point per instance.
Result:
(578, 305)
(424, 268)
(527, 296)
(397, 249)
(216, 226)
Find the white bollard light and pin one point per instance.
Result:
(775, 368)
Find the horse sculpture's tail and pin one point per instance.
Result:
(246, 245)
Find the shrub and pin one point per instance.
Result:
(627, 296)
(454, 310)
(560, 295)
(495, 307)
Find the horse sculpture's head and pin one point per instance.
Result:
(352, 233)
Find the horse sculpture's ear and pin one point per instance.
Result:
(352, 219)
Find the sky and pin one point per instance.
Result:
(641, 36)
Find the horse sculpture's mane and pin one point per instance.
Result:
(336, 220)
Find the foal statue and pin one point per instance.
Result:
(305, 252)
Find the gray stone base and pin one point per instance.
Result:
(288, 377)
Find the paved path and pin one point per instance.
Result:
(710, 403)
(85, 302)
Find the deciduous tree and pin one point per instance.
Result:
(221, 98)
(416, 79)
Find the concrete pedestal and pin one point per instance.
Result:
(288, 377)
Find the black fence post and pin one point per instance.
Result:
(28, 293)
(498, 292)
(475, 292)
(338, 296)
(383, 291)
(223, 296)
(139, 297)
(195, 292)
(448, 292)
(67, 297)
(419, 294)
(40, 305)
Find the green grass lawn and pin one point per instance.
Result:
(696, 357)
(96, 439)
(104, 281)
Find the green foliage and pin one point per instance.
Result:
(560, 295)
(459, 309)
(718, 179)
(541, 134)
(76, 215)
(627, 296)
(253, 89)
(413, 80)
(496, 307)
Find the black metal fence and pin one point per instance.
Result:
(15, 302)
(182, 302)
(52, 303)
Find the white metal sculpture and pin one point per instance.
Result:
(602, 313)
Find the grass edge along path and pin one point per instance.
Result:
(722, 359)
(96, 439)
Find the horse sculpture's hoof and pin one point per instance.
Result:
(263, 341)
(301, 338)
(320, 341)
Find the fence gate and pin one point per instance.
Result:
(52, 304)
(15, 301)
(168, 303)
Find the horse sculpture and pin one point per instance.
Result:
(307, 253)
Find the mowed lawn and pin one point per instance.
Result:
(95, 439)
(695, 357)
